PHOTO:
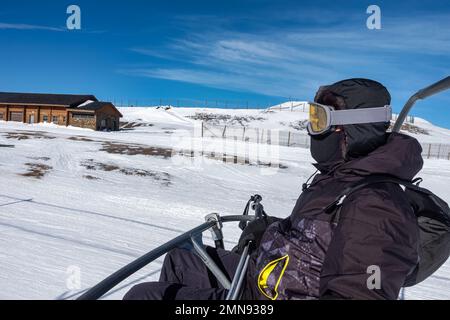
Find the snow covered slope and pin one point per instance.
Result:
(76, 200)
(278, 117)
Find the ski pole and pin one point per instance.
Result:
(211, 265)
(243, 224)
(256, 199)
(239, 276)
(238, 292)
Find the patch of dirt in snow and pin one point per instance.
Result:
(40, 158)
(218, 119)
(135, 149)
(164, 177)
(36, 170)
(412, 129)
(131, 125)
(7, 146)
(89, 177)
(90, 164)
(297, 125)
(80, 138)
(25, 135)
(242, 160)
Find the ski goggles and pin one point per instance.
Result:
(322, 118)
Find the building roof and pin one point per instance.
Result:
(96, 105)
(70, 100)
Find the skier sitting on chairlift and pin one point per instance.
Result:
(349, 236)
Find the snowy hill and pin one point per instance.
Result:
(75, 199)
(287, 116)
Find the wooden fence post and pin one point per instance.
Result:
(243, 135)
(289, 139)
(224, 130)
(429, 151)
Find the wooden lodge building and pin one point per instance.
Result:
(83, 111)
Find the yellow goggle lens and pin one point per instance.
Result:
(317, 118)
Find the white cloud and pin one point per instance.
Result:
(295, 61)
(21, 26)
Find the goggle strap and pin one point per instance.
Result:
(360, 116)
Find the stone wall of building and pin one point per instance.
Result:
(77, 120)
(106, 121)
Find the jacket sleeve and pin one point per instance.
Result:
(376, 231)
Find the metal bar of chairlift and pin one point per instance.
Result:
(429, 91)
(97, 291)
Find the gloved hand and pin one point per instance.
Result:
(254, 233)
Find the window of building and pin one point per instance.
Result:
(64, 119)
(82, 116)
(45, 118)
(55, 119)
(1, 116)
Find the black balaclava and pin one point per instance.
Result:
(356, 140)
(328, 148)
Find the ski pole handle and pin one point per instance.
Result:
(216, 231)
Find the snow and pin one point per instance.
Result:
(277, 117)
(87, 102)
(64, 222)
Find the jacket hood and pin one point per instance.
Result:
(358, 93)
(400, 157)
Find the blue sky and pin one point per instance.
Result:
(262, 52)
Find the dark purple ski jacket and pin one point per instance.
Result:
(364, 252)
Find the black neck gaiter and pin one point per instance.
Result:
(327, 150)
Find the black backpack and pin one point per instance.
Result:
(433, 216)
